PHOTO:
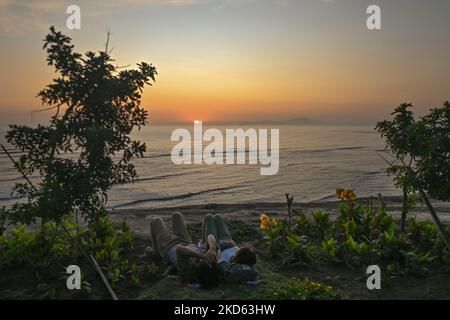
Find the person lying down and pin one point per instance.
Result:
(236, 264)
(215, 259)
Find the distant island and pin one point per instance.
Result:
(286, 121)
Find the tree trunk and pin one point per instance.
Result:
(435, 218)
(404, 210)
(289, 201)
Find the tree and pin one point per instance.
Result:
(86, 148)
(400, 141)
(422, 152)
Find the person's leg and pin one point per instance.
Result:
(179, 228)
(160, 235)
(208, 227)
(222, 229)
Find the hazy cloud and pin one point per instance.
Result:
(20, 16)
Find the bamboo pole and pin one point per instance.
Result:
(18, 167)
(105, 281)
(93, 262)
(436, 219)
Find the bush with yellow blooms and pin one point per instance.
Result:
(358, 236)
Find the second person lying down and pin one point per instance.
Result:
(236, 263)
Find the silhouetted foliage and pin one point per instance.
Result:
(422, 149)
(86, 147)
(422, 152)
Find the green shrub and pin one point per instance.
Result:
(359, 236)
(47, 252)
(42, 250)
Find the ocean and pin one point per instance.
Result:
(314, 161)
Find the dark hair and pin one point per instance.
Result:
(245, 255)
(207, 276)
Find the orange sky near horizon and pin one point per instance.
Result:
(245, 60)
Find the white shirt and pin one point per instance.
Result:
(227, 254)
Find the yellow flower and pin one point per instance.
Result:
(264, 225)
(346, 194)
(266, 222)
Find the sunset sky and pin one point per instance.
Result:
(231, 60)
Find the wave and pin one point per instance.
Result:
(8, 198)
(166, 176)
(322, 150)
(11, 179)
(170, 198)
(324, 198)
(18, 177)
(11, 151)
(372, 173)
(334, 149)
(159, 156)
